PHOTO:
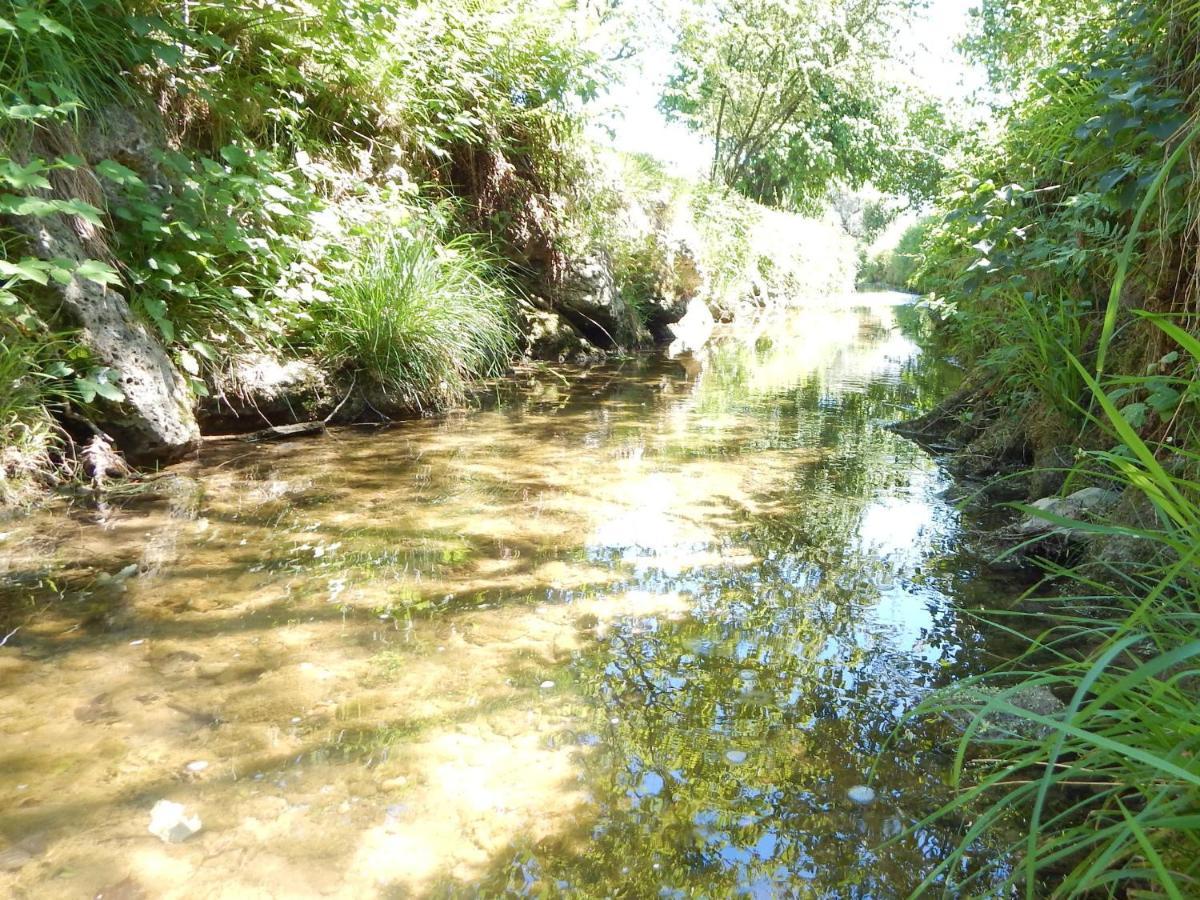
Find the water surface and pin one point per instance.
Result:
(628, 631)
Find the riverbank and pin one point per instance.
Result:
(247, 217)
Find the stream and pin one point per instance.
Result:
(634, 630)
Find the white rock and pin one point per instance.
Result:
(198, 765)
(170, 822)
(546, 685)
(861, 794)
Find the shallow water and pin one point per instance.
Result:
(631, 631)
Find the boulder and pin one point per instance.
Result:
(155, 423)
(680, 277)
(1083, 505)
(548, 336)
(257, 389)
(588, 298)
(692, 331)
(997, 725)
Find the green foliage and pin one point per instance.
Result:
(896, 267)
(794, 98)
(418, 318)
(221, 242)
(1107, 790)
(208, 243)
(1085, 205)
(1047, 211)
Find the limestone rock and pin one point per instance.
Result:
(1084, 504)
(588, 298)
(548, 336)
(156, 422)
(692, 331)
(259, 388)
(998, 725)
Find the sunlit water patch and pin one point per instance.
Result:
(634, 630)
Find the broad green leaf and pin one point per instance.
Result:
(26, 269)
(234, 155)
(98, 272)
(117, 173)
(25, 178)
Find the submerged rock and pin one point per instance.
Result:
(861, 794)
(968, 702)
(170, 822)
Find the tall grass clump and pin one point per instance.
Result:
(27, 432)
(418, 318)
(1103, 797)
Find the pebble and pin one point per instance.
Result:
(198, 765)
(170, 822)
(861, 794)
(546, 685)
(737, 757)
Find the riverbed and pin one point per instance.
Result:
(633, 630)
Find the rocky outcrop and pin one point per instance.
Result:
(257, 389)
(588, 298)
(549, 337)
(155, 423)
(679, 275)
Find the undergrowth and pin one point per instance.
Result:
(1062, 267)
(416, 317)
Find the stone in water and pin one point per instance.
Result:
(737, 757)
(861, 794)
(198, 765)
(171, 823)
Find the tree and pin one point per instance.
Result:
(794, 95)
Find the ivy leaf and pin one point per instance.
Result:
(109, 391)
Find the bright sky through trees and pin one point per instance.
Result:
(926, 49)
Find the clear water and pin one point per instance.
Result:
(632, 631)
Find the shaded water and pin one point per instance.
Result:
(630, 631)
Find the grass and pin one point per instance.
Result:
(27, 433)
(1104, 797)
(418, 318)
